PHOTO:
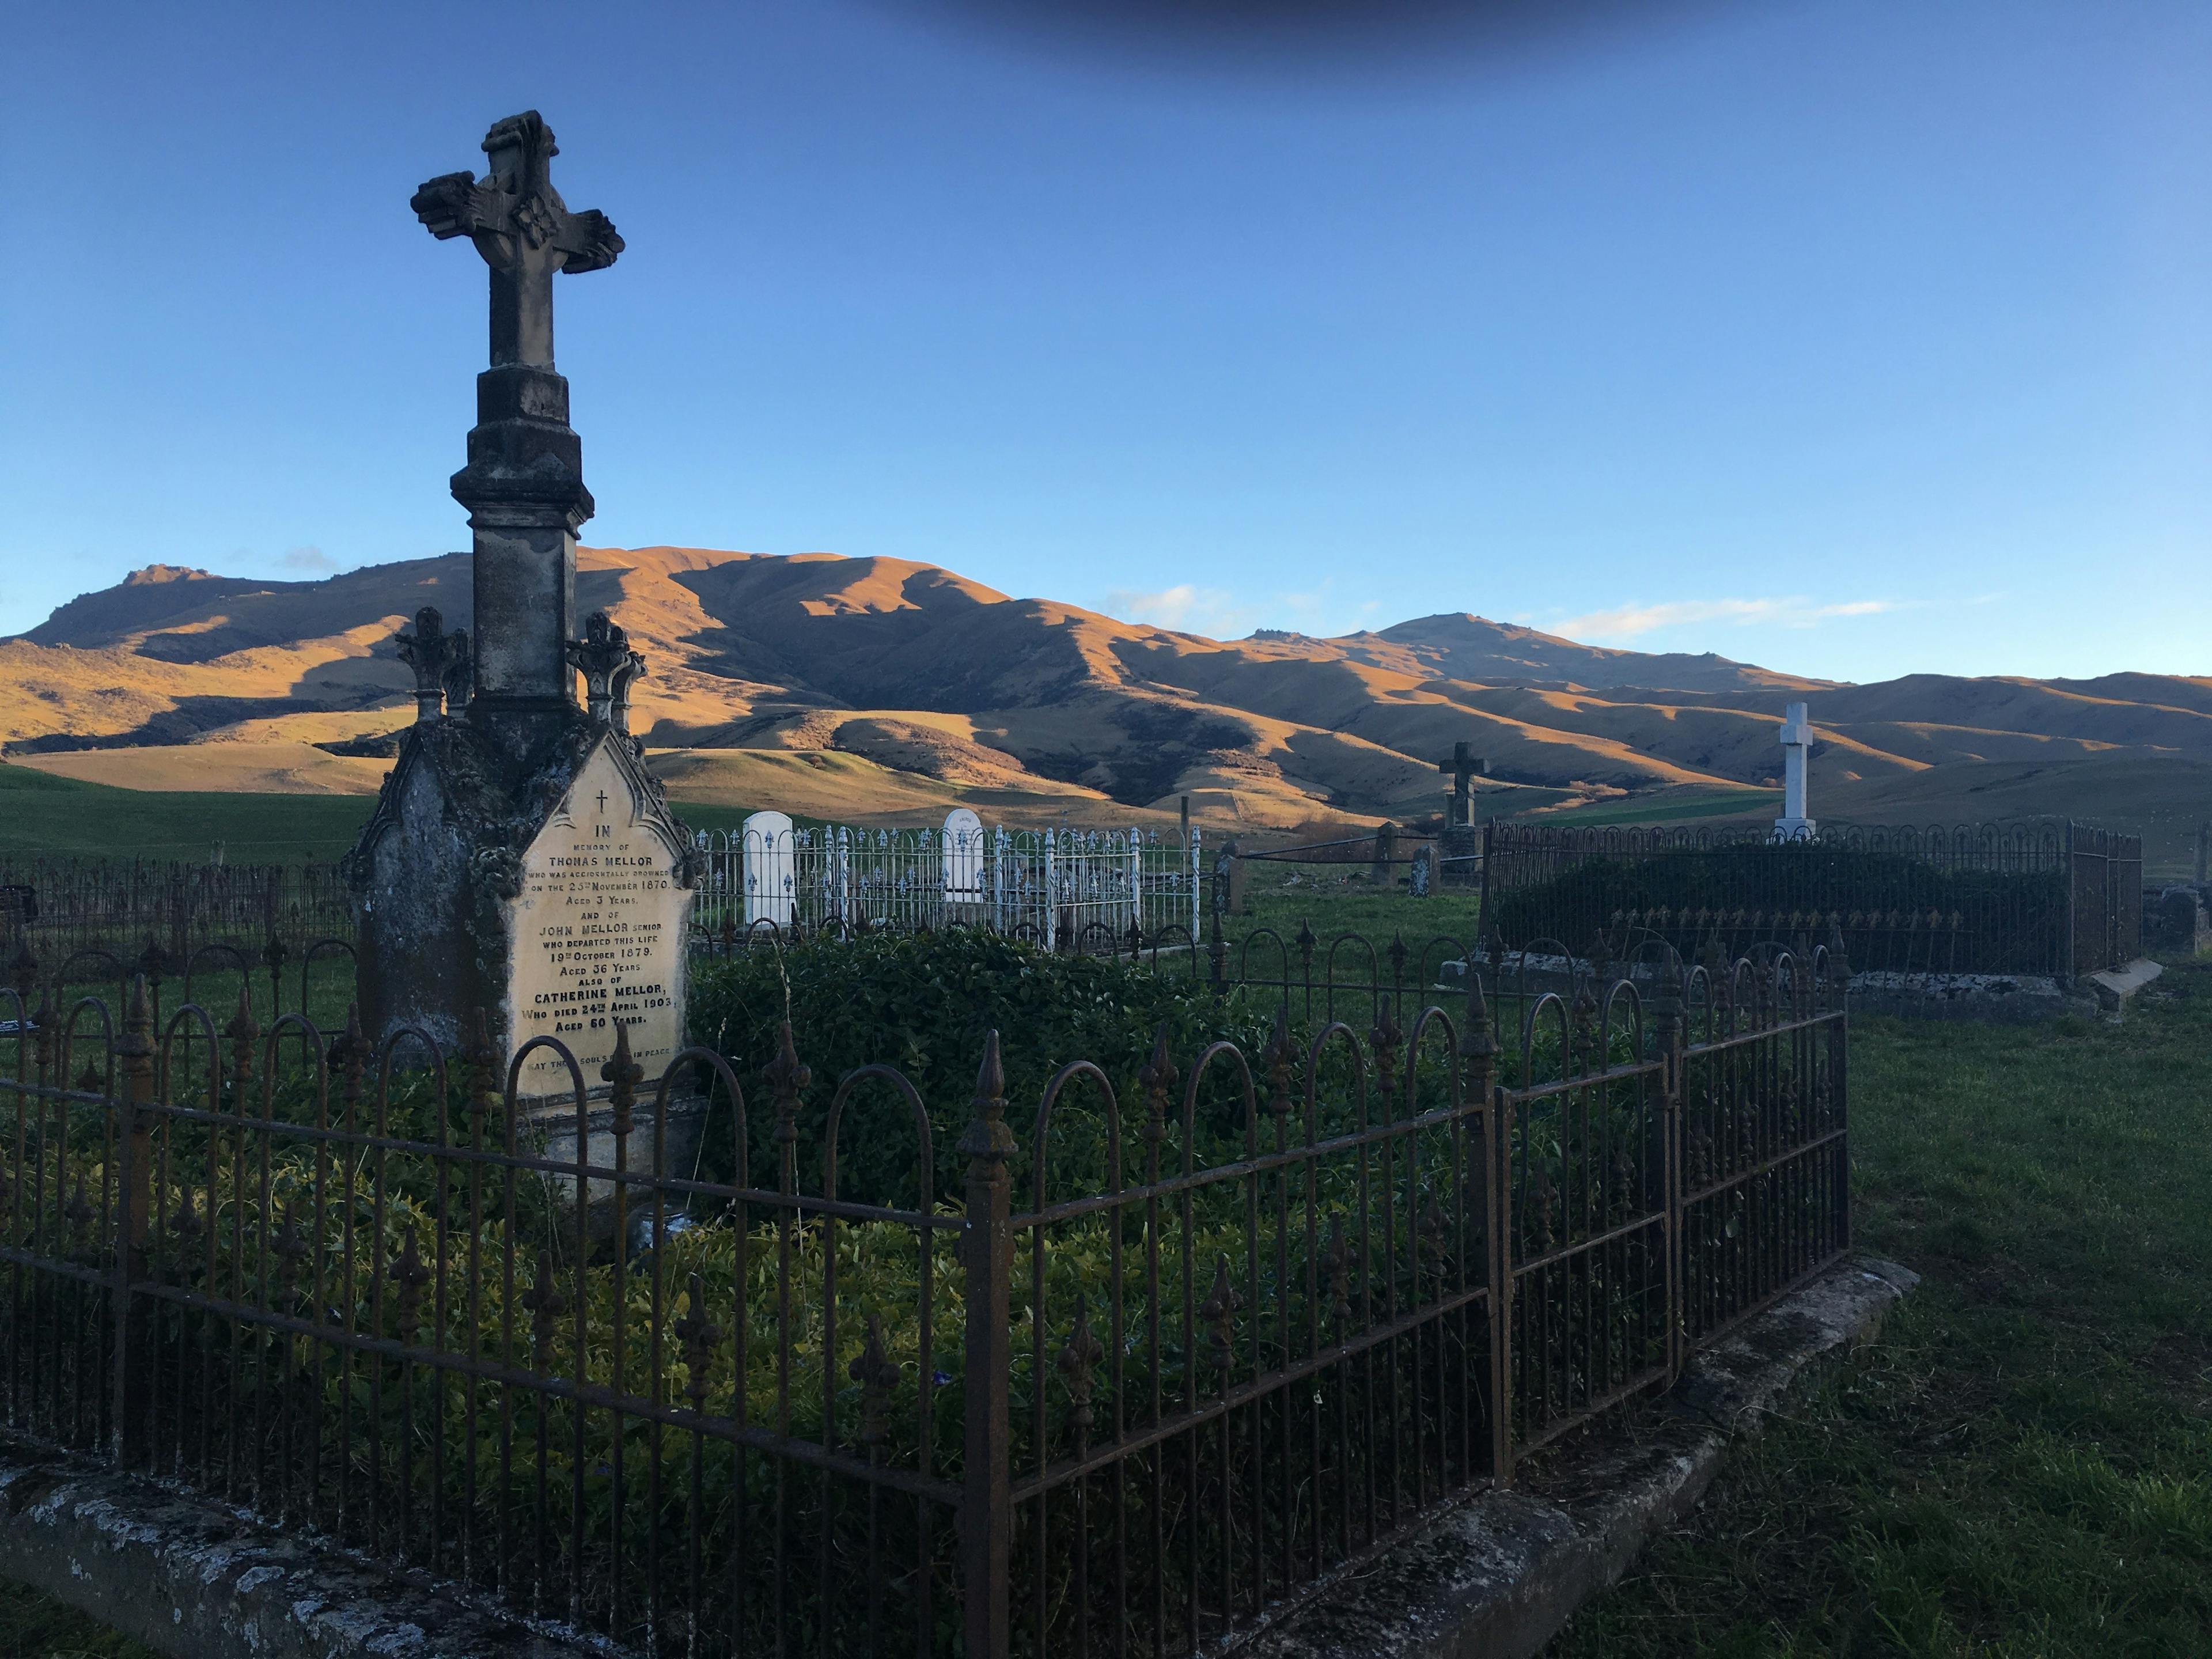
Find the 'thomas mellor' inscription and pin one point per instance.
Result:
(598, 937)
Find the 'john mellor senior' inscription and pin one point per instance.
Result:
(598, 937)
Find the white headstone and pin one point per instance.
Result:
(963, 857)
(1796, 738)
(771, 871)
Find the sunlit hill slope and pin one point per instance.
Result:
(882, 685)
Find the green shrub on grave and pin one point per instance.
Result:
(923, 1003)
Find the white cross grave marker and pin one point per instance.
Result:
(1796, 738)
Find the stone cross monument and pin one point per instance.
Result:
(1796, 738)
(522, 860)
(1460, 841)
(1464, 768)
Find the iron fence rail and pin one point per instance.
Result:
(2047, 897)
(1184, 1346)
(103, 918)
(1061, 888)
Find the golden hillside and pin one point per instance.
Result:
(927, 688)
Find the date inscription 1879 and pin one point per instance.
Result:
(598, 937)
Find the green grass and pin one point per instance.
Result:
(1335, 898)
(2023, 1463)
(1665, 808)
(35, 1626)
(42, 813)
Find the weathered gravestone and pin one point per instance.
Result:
(520, 860)
(1424, 882)
(1230, 881)
(1383, 871)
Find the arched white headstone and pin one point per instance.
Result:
(771, 869)
(963, 857)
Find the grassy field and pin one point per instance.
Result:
(1333, 898)
(40, 813)
(1665, 807)
(2022, 1464)
(44, 814)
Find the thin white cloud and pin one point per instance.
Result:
(1630, 621)
(1186, 608)
(308, 558)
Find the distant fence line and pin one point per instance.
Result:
(2046, 897)
(114, 915)
(1061, 888)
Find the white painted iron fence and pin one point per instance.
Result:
(1065, 889)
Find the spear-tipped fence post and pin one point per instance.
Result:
(243, 1030)
(1478, 1052)
(1667, 1005)
(1839, 969)
(986, 1504)
(134, 1352)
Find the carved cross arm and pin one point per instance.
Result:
(587, 240)
(455, 204)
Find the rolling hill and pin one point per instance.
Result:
(894, 688)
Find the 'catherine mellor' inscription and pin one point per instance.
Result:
(598, 937)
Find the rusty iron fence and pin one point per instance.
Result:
(94, 921)
(2046, 897)
(1194, 1339)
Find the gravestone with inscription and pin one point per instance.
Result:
(522, 860)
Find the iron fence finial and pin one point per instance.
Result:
(788, 1078)
(624, 1074)
(1076, 1363)
(873, 1371)
(1280, 1048)
(987, 1141)
(1158, 1076)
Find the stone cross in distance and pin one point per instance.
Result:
(524, 230)
(1464, 769)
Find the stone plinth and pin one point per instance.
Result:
(550, 887)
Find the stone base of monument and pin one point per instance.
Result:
(1459, 854)
(551, 1133)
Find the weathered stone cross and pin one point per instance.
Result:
(524, 485)
(1464, 769)
(524, 230)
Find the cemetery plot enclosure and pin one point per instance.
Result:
(1197, 1330)
(96, 920)
(2054, 898)
(1063, 889)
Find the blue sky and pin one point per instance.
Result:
(1855, 338)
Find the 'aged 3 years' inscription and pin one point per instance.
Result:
(598, 940)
